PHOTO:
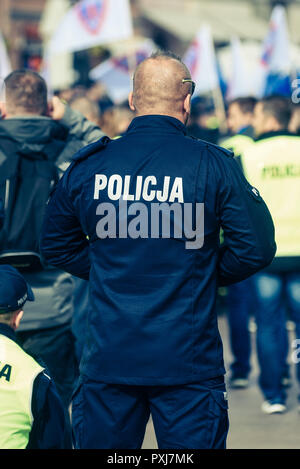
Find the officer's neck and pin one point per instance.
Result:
(180, 117)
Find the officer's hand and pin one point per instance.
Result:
(56, 108)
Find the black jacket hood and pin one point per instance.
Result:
(34, 137)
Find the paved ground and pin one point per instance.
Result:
(249, 428)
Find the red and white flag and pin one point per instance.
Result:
(276, 54)
(116, 72)
(240, 82)
(90, 23)
(200, 59)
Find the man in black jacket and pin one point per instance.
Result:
(37, 133)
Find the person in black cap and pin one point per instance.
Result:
(31, 413)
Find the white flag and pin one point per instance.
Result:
(200, 59)
(275, 56)
(240, 83)
(116, 72)
(5, 66)
(90, 23)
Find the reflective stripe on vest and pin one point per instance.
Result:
(273, 166)
(17, 374)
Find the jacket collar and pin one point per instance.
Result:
(277, 133)
(8, 332)
(33, 129)
(157, 123)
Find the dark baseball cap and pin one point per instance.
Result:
(14, 290)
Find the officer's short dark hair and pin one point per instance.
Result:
(26, 90)
(278, 107)
(245, 103)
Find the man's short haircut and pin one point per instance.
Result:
(26, 91)
(245, 103)
(279, 107)
(165, 53)
(161, 53)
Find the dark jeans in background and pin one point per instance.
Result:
(240, 306)
(278, 296)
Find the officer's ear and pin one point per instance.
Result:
(187, 104)
(16, 319)
(130, 101)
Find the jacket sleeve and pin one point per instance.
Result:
(80, 127)
(81, 132)
(63, 242)
(51, 428)
(248, 229)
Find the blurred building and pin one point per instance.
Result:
(19, 24)
(27, 25)
(173, 23)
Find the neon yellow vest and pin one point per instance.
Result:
(273, 166)
(237, 143)
(17, 374)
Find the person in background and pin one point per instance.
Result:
(91, 111)
(31, 412)
(41, 135)
(202, 121)
(272, 163)
(121, 117)
(239, 300)
(239, 123)
(88, 108)
(153, 344)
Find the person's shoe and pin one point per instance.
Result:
(269, 408)
(239, 382)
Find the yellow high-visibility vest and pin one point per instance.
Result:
(273, 166)
(238, 143)
(18, 371)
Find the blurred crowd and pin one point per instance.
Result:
(206, 122)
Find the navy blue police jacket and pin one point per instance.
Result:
(152, 317)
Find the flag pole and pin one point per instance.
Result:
(220, 107)
(132, 63)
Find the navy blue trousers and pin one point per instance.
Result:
(111, 416)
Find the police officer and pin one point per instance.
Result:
(239, 122)
(140, 218)
(273, 165)
(31, 413)
(240, 305)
